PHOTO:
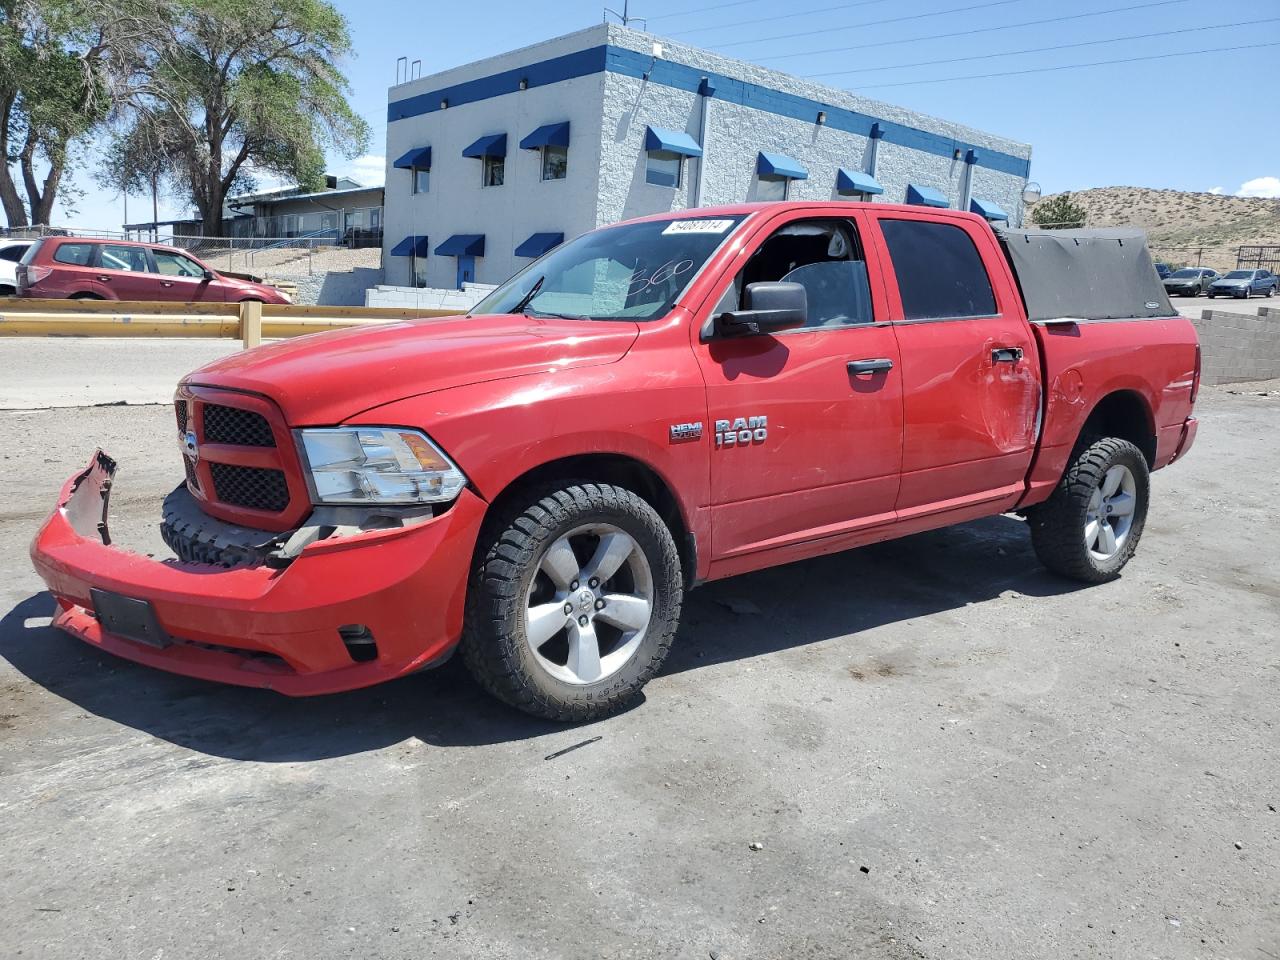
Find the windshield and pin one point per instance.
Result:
(1185, 274)
(634, 271)
(1239, 275)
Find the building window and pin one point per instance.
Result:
(495, 169)
(419, 271)
(555, 162)
(772, 188)
(664, 168)
(421, 181)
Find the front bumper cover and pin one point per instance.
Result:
(265, 627)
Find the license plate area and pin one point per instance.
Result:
(129, 617)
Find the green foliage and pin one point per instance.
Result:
(1059, 213)
(55, 87)
(243, 87)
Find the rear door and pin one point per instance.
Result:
(126, 271)
(970, 370)
(805, 424)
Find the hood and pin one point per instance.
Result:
(325, 378)
(1223, 281)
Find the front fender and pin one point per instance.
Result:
(501, 430)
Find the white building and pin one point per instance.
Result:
(494, 162)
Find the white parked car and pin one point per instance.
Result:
(11, 252)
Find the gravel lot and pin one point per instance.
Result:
(944, 751)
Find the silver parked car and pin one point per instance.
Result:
(1245, 283)
(1190, 281)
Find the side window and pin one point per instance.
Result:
(131, 259)
(940, 273)
(76, 254)
(13, 254)
(494, 171)
(421, 181)
(663, 168)
(555, 162)
(176, 265)
(823, 256)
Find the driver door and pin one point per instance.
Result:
(181, 278)
(805, 424)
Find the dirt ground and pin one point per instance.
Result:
(944, 751)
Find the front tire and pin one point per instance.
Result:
(573, 601)
(1090, 527)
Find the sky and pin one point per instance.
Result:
(1198, 117)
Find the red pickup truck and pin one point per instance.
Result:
(652, 405)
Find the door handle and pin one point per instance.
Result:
(166, 283)
(105, 279)
(1006, 355)
(881, 365)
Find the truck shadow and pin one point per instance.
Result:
(747, 616)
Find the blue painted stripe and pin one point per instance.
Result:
(632, 63)
(581, 63)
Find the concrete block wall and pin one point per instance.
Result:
(427, 298)
(1239, 347)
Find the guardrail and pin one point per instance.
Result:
(249, 322)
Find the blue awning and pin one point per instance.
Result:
(672, 141)
(987, 208)
(494, 145)
(411, 247)
(855, 181)
(547, 135)
(539, 244)
(780, 165)
(419, 158)
(462, 245)
(925, 196)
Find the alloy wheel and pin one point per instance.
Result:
(589, 604)
(1109, 517)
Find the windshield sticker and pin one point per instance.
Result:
(698, 226)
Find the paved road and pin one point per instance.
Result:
(82, 371)
(945, 752)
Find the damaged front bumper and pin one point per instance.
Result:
(401, 589)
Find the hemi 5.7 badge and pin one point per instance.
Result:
(682, 432)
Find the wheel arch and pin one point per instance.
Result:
(620, 470)
(1125, 414)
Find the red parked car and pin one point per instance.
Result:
(86, 269)
(650, 406)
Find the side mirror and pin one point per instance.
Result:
(765, 307)
(209, 274)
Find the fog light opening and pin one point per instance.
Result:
(360, 643)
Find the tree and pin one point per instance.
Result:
(138, 159)
(238, 87)
(1059, 212)
(57, 65)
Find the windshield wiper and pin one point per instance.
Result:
(562, 316)
(528, 297)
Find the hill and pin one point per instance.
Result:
(1180, 224)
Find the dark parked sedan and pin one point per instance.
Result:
(1163, 270)
(1190, 281)
(1245, 283)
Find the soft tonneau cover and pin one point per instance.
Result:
(1085, 274)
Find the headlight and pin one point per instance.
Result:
(386, 465)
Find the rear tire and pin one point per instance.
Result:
(85, 296)
(547, 636)
(1090, 527)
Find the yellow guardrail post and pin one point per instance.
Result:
(251, 323)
